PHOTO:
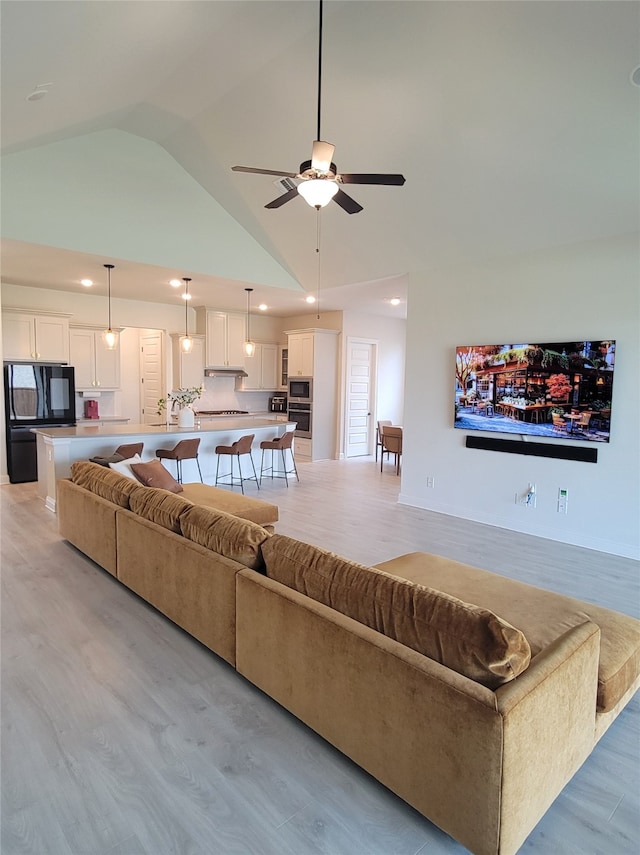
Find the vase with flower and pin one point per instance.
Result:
(181, 400)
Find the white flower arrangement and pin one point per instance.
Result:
(182, 397)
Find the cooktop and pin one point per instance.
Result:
(223, 412)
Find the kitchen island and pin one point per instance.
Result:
(58, 448)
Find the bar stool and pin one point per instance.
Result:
(130, 450)
(186, 449)
(239, 447)
(281, 444)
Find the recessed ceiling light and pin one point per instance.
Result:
(186, 296)
(310, 299)
(175, 283)
(263, 307)
(635, 76)
(394, 301)
(86, 282)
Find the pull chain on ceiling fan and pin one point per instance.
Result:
(320, 180)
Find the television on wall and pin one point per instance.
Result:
(554, 389)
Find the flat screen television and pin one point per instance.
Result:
(555, 389)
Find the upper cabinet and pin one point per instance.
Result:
(224, 337)
(35, 337)
(95, 366)
(262, 369)
(300, 354)
(188, 368)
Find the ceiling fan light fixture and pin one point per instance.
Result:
(318, 192)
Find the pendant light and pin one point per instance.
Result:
(110, 336)
(249, 346)
(186, 342)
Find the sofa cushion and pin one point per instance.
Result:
(466, 638)
(225, 534)
(159, 506)
(247, 507)
(104, 483)
(542, 615)
(154, 474)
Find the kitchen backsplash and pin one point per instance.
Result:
(220, 394)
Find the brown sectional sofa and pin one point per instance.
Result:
(473, 697)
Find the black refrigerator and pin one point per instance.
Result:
(35, 395)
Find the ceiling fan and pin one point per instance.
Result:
(320, 181)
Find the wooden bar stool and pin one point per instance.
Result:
(186, 449)
(237, 449)
(282, 444)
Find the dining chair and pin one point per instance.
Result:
(585, 418)
(381, 423)
(558, 422)
(392, 444)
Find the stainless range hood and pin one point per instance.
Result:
(225, 372)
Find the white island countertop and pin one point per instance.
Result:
(58, 448)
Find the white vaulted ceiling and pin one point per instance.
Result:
(514, 123)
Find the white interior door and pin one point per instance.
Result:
(359, 397)
(151, 375)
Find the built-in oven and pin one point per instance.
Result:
(301, 414)
(301, 389)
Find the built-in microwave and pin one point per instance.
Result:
(301, 389)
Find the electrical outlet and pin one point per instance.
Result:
(528, 498)
(563, 501)
(431, 481)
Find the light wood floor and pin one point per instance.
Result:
(122, 735)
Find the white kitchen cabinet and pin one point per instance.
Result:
(95, 366)
(35, 337)
(283, 367)
(188, 368)
(225, 336)
(314, 353)
(262, 369)
(300, 354)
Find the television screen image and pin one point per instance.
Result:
(555, 389)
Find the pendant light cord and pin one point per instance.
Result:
(109, 269)
(186, 281)
(319, 256)
(318, 137)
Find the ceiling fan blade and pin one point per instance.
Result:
(263, 171)
(347, 203)
(322, 156)
(373, 178)
(286, 197)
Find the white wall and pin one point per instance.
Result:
(584, 291)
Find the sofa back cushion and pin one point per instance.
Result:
(466, 638)
(159, 506)
(235, 538)
(104, 482)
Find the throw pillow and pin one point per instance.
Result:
(124, 466)
(153, 474)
